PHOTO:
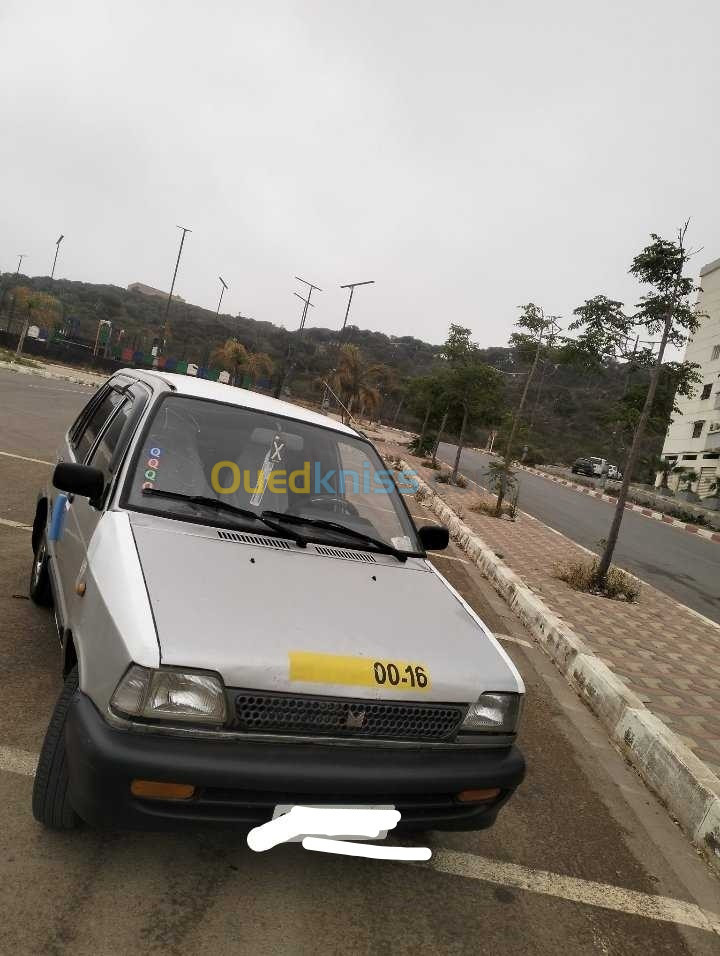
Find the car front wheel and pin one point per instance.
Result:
(40, 591)
(51, 800)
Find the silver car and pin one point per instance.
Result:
(248, 619)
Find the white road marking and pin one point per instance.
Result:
(15, 524)
(38, 461)
(514, 640)
(475, 867)
(577, 890)
(13, 760)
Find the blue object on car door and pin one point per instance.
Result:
(57, 519)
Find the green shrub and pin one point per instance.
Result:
(425, 447)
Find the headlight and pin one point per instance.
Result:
(493, 713)
(170, 695)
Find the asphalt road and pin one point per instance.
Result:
(682, 565)
(574, 864)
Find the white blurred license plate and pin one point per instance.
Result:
(283, 808)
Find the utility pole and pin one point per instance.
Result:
(57, 249)
(20, 259)
(311, 288)
(225, 286)
(351, 286)
(185, 231)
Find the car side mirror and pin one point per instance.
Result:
(80, 480)
(434, 537)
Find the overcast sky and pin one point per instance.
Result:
(468, 156)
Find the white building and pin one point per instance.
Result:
(693, 439)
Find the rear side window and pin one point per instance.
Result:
(94, 425)
(103, 454)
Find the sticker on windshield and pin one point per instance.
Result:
(401, 543)
(151, 468)
(316, 668)
(273, 457)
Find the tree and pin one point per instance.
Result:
(534, 326)
(475, 388)
(232, 356)
(664, 310)
(676, 379)
(356, 380)
(456, 350)
(424, 396)
(36, 307)
(258, 364)
(43, 309)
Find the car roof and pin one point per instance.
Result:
(242, 397)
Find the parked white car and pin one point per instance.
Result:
(248, 619)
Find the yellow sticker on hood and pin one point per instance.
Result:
(358, 671)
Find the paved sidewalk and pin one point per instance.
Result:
(666, 653)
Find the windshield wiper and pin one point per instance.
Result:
(335, 526)
(220, 505)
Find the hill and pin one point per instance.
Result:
(568, 414)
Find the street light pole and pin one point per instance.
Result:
(288, 367)
(57, 249)
(185, 230)
(225, 286)
(351, 286)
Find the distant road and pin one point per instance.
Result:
(673, 561)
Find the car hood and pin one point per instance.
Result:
(241, 605)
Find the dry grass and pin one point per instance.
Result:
(445, 478)
(429, 463)
(580, 575)
(488, 508)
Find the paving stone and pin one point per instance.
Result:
(665, 653)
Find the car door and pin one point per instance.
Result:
(94, 443)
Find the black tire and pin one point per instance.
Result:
(40, 588)
(50, 800)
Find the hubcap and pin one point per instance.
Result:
(39, 561)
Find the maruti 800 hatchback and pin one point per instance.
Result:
(248, 620)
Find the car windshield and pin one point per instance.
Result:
(259, 462)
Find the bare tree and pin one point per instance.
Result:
(535, 326)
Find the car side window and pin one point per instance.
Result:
(84, 441)
(102, 456)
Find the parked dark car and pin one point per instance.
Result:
(582, 466)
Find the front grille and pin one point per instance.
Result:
(343, 717)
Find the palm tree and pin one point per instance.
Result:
(258, 364)
(232, 356)
(356, 381)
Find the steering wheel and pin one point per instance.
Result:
(339, 505)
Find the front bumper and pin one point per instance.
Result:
(241, 782)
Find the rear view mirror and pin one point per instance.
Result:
(264, 436)
(434, 537)
(79, 480)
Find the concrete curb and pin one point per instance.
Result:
(629, 505)
(687, 787)
(46, 373)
